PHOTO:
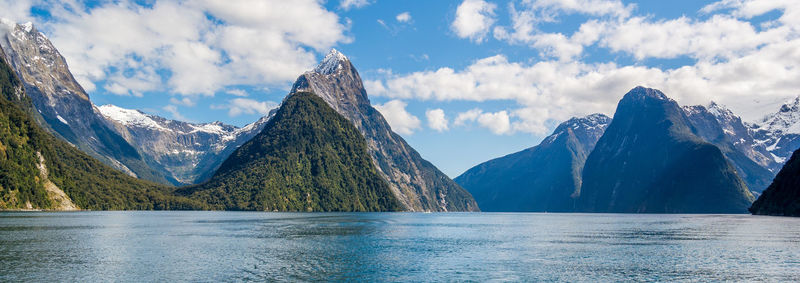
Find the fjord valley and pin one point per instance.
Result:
(306, 155)
(326, 148)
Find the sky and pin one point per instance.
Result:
(462, 81)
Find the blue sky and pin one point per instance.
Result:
(503, 73)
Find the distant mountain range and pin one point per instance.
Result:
(528, 180)
(189, 153)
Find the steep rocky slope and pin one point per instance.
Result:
(62, 105)
(650, 161)
(39, 171)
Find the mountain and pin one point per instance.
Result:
(782, 197)
(39, 171)
(650, 161)
(546, 177)
(780, 132)
(417, 184)
(63, 107)
(186, 152)
(307, 158)
(719, 126)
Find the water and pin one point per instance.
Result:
(240, 246)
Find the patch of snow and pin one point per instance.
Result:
(27, 26)
(778, 158)
(62, 119)
(129, 117)
(331, 63)
(211, 128)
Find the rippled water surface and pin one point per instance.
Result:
(240, 246)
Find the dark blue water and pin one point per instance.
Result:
(239, 246)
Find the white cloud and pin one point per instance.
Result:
(436, 119)
(467, 116)
(16, 10)
(498, 123)
(349, 4)
(556, 90)
(732, 62)
(403, 17)
(399, 119)
(204, 46)
(474, 19)
(239, 106)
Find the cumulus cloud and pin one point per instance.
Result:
(239, 106)
(474, 19)
(399, 119)
(403, 17)
(556, 90)
(732, 62)
(436, 119)
(201, 46)
(498, 123)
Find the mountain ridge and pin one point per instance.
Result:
(417, 183)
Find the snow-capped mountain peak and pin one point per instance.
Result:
(129, 117)
(331, 63)
(785, 121)
(188, 151)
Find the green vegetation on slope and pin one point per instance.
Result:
(782, 197)
(89, 183)
(307, 158)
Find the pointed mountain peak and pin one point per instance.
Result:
(791, 106)
(719, 110)
(331, 63)
(640, 92)
(587, 122)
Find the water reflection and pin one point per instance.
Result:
(231, 246)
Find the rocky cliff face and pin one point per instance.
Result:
(719, 126)
(187, 152)
(650, 161)
(63, 106)
(546, 177)
(416, 183)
